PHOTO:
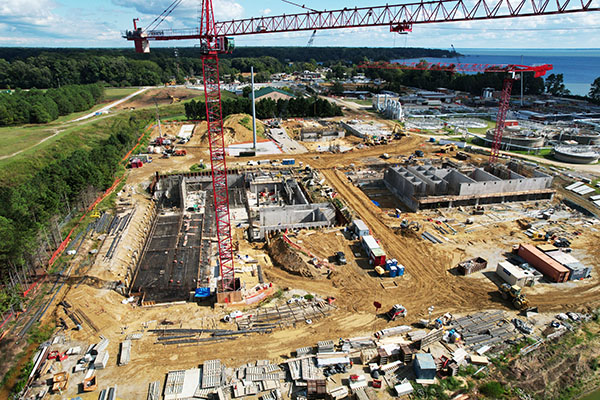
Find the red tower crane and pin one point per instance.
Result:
(214, 40)
(511, 69)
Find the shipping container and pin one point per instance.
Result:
(369, 243)
(377, 256)
(288, 161)
(359, 228)
(375, 253)
(544, 263)
(577, 270)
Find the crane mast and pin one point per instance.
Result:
(211, 46)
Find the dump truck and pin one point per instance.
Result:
(513, 293)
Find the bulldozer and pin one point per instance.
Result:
(518, 299)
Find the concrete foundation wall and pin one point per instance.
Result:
(294, 217)
(448, 187)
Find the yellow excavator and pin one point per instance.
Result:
(518, 299)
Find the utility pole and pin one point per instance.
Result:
(158, 119)
(253, 112)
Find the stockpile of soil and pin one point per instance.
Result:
(288, 259)
(162, 96)
(237, 129)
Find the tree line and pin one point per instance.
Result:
(28, 208)
(430, 80)
(45, 68)
(38, 107)
(268, 108)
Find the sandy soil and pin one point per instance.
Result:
(427, 282)
(161, 96)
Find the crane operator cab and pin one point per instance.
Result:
(225, 44)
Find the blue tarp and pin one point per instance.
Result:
(202, 292)
(376, 203)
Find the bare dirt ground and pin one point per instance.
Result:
(427, 282)
(161, 96)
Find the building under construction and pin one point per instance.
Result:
(426, 186)
(178, 261)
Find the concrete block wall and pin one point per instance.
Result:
(302, 216)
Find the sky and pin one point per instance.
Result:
(99, 23)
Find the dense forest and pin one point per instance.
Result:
(40, 107)
(269, 108)
(431, 80)
(46, 68)
(76, 178)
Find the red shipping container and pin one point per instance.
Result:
(543, 263)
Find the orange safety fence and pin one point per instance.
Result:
(65, 242)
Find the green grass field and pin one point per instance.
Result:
(15, 139)
(491, 125)
(113, 94)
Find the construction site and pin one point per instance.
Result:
(376, 266)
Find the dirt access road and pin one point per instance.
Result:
(429, 282)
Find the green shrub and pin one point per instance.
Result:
(493, 389)
(308, 296)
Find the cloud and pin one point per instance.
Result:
(19, 13)
(187, 11)
(265, 12)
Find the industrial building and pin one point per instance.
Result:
(426, 186)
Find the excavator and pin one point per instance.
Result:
(398, 132)
(513, 293)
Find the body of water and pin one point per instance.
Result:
(579, 66)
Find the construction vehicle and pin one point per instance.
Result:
(95, 213)
(396, 311)
(180, 153)
(398, 132)
(536, 235)
(174, 99)
(518, 299)
(523, 223)
(447, 148)
(407, 225)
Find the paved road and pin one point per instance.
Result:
(111, 105)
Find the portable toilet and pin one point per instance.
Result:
(400, 269)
